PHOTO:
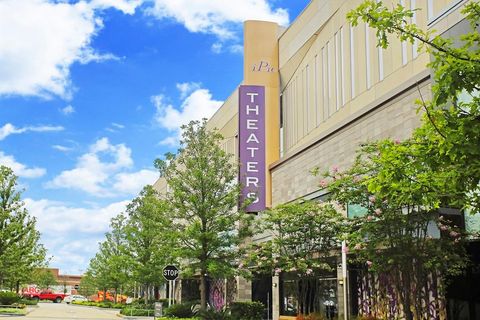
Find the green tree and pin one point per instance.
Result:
(149, 241)
(44, 278)
(111, 267)
(20, 250)
(401, 235)
(88, 284)
(305, 236)
(203, 196)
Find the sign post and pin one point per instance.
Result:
(170, 273)
(158, 310)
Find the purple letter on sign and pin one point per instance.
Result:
(252, 146)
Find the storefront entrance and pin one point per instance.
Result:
(308, 295)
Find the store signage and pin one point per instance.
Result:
(252, 146)
(263, 66)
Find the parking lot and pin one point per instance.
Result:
(46, 311)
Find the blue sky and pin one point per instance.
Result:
(92, 91)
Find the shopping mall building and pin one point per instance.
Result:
(311, 94)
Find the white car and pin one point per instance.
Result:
(74, 297)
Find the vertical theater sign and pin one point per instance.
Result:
(252, 146)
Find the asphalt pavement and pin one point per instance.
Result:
(49, 311)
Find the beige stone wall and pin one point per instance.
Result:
(329, 70)
(395, 119)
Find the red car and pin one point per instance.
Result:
(45, 295)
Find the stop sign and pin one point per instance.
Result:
(170, 272)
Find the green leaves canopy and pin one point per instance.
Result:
(305, 236)
(20, 249)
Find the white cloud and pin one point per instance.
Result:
(126, 6)
(171, 141)
(41, 39)
(197, 105)
(217, 47)
(104, 171)
(62, 148)
(91, 174)
(131, 183)
(70, 233)
(236, 48)
(219, 17)
(186, 88)
(115, 127)
(9, 129)
(21, 169)
(45, 128)
(58, 218)
(118, 125)
(67, 110)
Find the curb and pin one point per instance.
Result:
(28, 310)
(134, 317)
(93, 307)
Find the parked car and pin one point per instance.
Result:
(45, 295)
(74, 297)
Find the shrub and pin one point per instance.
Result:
(28, 302)
(252, 310)
(140, 304)
(212, 314)
(12, 311)
(136, 312)
(180, 310)
(8, 298)
(105, 304)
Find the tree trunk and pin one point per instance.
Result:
(407, 292)
(203, 291)
(145, 294)
(156, 292)
(17, 287)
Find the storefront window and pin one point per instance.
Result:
(308, 295)
(355, 210)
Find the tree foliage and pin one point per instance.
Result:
(44, 278)
(20, 249)
(136, 249)
(148, 232)
(304, 239)
(203, 195)
(111, 266)
(304, 236)
(401, 235)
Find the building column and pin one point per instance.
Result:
(275, 297)
(342, 285)
(244, 289)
